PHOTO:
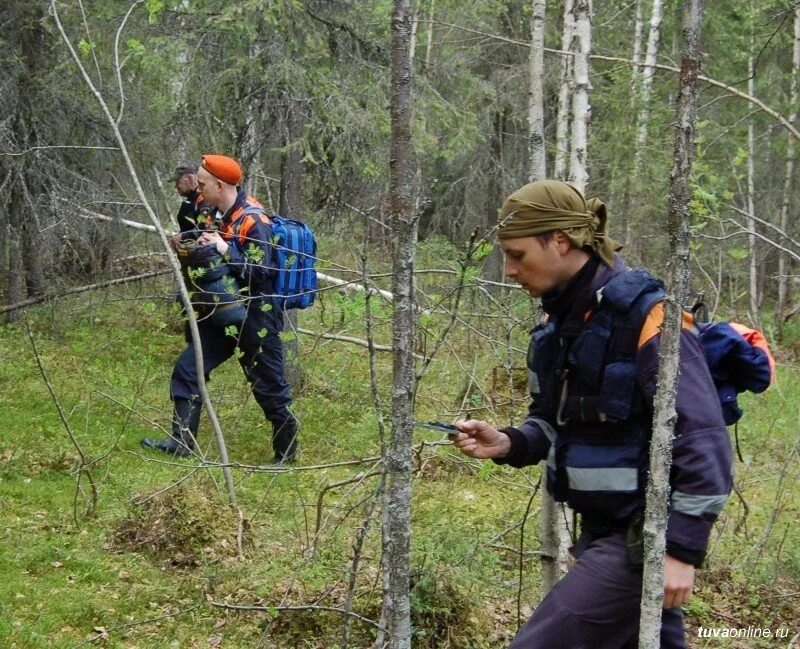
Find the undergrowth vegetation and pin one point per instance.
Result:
(164, 559)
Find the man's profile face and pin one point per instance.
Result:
(185, 184)
(209, 186)
(535, 267)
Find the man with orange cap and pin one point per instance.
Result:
(592, 370)
(244, 243)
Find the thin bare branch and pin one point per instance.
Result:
(117, 65)
(80, 289)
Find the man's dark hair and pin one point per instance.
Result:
(181, 171)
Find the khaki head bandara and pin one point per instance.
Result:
(548, 205)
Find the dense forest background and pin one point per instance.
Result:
(144, 552)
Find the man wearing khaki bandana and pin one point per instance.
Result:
(592, 369)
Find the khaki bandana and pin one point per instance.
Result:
(548, 205)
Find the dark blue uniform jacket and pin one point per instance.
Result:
(701, 475)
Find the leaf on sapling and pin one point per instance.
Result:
(482, 250)
(136, 47)
(154, 8)
(84, 47)
(738, 253)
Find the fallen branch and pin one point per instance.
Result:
(348, 339)
(309, 607)
(88, 214)
(81, 289)
(353, 285)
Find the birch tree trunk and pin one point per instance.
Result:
(250, 146)
(637, 49)
(397, 504)
(664, 418)
(553, 534)
(581, 47)
(536, 168)
(751, 212)
(290, 204)
(426, 63)
(646, 85)
(794, 99)
(564, 97)
(493, 266)
(642, 92)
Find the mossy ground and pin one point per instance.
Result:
(161, 551)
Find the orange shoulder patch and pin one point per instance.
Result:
(652, 325)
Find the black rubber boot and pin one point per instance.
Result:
(284, 441)
(185, 422)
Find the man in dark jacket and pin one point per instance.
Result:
(192, 211)
(244, 243)
(592, 369)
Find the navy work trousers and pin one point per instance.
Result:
(596, 605)
(261, 359)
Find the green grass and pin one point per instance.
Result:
(63, 584)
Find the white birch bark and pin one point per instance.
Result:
(751, 182)
(535, 92)
(426, 63)
(250, 146)
(564, 97)
(637, 49)
(581, 110)
(794, 100)
(553, 534)
(647, 74)
(665, 416)
(397, 503)
(412, 46)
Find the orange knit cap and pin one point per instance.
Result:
(223, 167)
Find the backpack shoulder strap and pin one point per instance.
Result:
(247, 218)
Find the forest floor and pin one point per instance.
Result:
(158, 561)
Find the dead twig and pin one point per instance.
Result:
(334, 485)
(83, 467)
(358, 545)
(521, 551)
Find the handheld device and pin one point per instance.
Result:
(438, 426)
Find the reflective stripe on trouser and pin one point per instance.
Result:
(594, 606)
